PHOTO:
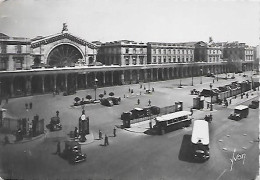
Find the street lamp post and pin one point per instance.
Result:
(201, 76)
(95, 87)
(244, 70)
(211, 107)
(217, 74)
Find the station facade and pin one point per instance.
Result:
(67, 63)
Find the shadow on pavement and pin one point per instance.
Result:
(185, 153)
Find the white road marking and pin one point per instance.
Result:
(221, 174)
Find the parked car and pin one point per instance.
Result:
(55, 124)
(72, 152)
(254, 104)
(240, 112)
(106, 102)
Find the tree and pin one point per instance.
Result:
(77, 99)
(111, 94)
(101, 95)
(88, 97)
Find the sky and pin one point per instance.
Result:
(138, 20)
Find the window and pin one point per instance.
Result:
(134, 51)
(3, 63)
(134, 60)
(3, 48)
(154, 59)
(179, 60)
(164, 59)
(141, 59)
(174, 59)
(187, 59)
(154, 51)
(164, 51)
(159, 60)
(141, 51)
(169, 59)
(18, 62)
(126, 50)
(159, 51)
(126, 60)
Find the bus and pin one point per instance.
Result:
(200, 139)
(172, 121)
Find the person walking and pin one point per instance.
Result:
(76, 132)
(58, 148)
(149, 102)
(114, 131)
(106, 141)
(230, 100)
(105, 92)
(138, 101)
(100, 135)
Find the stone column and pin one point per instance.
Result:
(86, 78)
(29, 85)
(138, 76)
(112, 78)
(43, 88)
(145, 75)
(122, 77)
(66, 82)
(131, 76)
(12, 86)
(55, 83)
(157, 74)
(104, 78)
(76, 81)
(168, 73)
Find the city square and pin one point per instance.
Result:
(133, 154)
(129, 90)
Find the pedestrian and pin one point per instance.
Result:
(58, 148)
(30, 105)
(124, 95)
(150, 125)
(153, 89)
(246, 95)
(191, 110)
(140, 86)
(76, 132)
(129, 90)
(57, 113)
(114, 131)
(230, 100)
(132, 91)
(149, 102)
(100, 135)
(207, 105)
(26, 106)
(213, 81)
(106, 141)
(105, 92)
(144, 88)
(138, 101)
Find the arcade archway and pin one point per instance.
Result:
(64, 55)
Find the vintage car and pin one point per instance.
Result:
(72, 152)
(54, 124)
(106, 102)
(240, 112)
(254, 104)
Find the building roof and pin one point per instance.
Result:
(173, 115)
(55, 37)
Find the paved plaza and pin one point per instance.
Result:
(132, 154)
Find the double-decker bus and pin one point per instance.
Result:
(172, 121)
(200, 139)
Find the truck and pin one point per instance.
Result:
(240, 112)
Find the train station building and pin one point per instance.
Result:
(64, 62)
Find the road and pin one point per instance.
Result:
(135, 155)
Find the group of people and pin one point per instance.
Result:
(106, 143)
(149, 102)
